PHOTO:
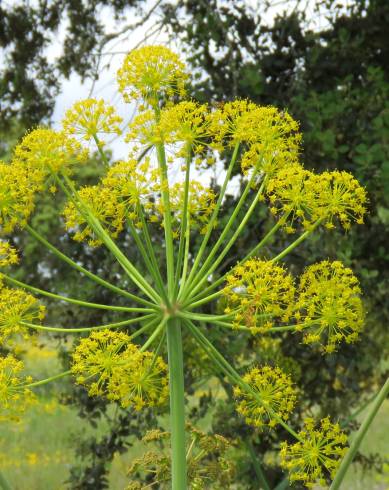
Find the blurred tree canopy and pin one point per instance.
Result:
(334, 79)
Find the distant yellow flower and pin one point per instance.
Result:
(291, 197)
(316, 456)
(329, 308)
(91, 117)
(8, 254)
(50, 151)
(111, 366)
(276, 396)
(152, 73)
(17, 306)
(15, 398)
(145, 129)
(104, 205)
(17, 195)
(259, 293)
(340, 196)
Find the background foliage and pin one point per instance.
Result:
(335, 80)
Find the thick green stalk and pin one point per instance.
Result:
(177, 405)
(87, 329)
(88, 274)
(348, 458)
(215, 213)
(74, 301)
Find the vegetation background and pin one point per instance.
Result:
(327, 62)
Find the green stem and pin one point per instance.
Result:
(47, 380)
(297, 242)
(80, 302)
(88, 274)
(4, 483)
(153, 336)
(184, 238)
(147, 260)
(87, 329)
(215, 213)
(177, 405)
(257, 466)
(348, 458)
(200, 302)
(99, 149)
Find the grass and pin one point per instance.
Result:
(36, 453)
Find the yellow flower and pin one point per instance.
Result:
(49, 151)
(271, 135)
(276, 394)
(259, 293)
(17, 195)
(152, 73)
(187, 123)
(8, 254)
(291, 196)
(133, 184)
(141, 381)
(16, 307)
(329, 308)
(15, 398)
(201, 203)
(103, 203)
(91, 117)
(111, 366)
(145, 129)
(340, 196)
(316, 456)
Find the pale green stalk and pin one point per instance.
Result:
(88, 274)
(257, 466)
(74, 301)
(47, 380)
(354, 446)
(215, 213)
(177, 404)
(166, 218)
(184, 237)
(153, 336)
(297, 242)
(87, 329)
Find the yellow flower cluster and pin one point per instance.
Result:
(111, 366)
(152, 73)
(276, 396)
(298, 195)
(17, 306)
(133, 184)
(207, 462)
(17, 195)
(15, 398)
(329, 308)
(259, 293)
(145, 129)
(317, 455)
(201, 203)
(91, 117)
(8, 254)
(104, 204)
(49, 151)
